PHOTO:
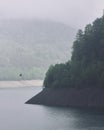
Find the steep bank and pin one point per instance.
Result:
(84, 72)
(84, 97)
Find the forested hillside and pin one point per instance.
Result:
(29, 46)
(86, 67)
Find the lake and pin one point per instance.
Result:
(16, 115)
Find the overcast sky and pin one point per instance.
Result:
(73, 12)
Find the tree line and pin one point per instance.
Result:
(86, 67)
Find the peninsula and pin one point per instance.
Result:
(80, 81)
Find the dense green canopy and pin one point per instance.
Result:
(86, 68)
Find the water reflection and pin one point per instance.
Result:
(15, 115)
(88, 119)
(76, 118)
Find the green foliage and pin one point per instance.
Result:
(86, 68)
(54, 76)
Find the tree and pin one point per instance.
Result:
(86, 68)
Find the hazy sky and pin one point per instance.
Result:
(73, 12)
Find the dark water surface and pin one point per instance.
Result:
(15, 115)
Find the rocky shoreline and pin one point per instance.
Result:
(75, 97)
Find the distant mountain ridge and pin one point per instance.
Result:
(24, 30)
(29, 46)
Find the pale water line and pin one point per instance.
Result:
(21, 83)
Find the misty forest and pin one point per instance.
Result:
(86, 67)
(52, 65)
(29, 46)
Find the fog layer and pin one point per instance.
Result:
(72, 12)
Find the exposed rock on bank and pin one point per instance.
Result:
(86, 97)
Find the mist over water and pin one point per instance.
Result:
(33, 35)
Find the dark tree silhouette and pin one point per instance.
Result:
(86, 68)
